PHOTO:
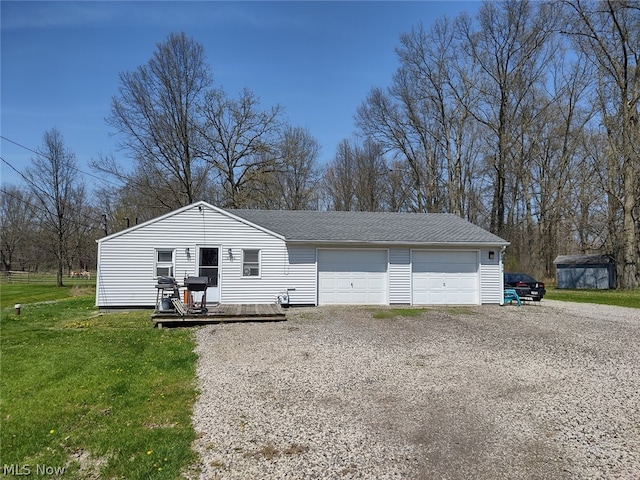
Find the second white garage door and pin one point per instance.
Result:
(352, 277)
(445, 278)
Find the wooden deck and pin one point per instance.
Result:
(223, 314)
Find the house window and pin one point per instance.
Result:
(164, 263)
(251, 263)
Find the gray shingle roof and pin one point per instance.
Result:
(369, 227)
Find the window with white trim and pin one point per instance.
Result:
(250, 263)
(164, 263)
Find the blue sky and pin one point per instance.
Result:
(318, 60)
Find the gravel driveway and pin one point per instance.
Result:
(548, 390)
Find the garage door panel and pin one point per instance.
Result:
(339, 298)
(352, 277)
(440, 278)
(327, 284)
(360, 284)
(445, 268)
(420, 282)
(444, 258)
(468, 284)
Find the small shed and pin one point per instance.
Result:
(594, 271)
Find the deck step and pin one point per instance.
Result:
(220, 314)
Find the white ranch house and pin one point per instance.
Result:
(319, 258)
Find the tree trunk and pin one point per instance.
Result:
(630, 240)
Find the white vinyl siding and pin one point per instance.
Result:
(441, 277)
(236, 288)
(352, 276)
(399, 276)
(127, 260)
(491, 280)
(300, 273)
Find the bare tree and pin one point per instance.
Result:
(423, 119)
(511, 49)
(560, 130)
(240, 143)
(58, 191)
(357, 178)
(608, 32)
(155, 114)
(587, 209)
(81, 249)
(393, 120)
(339, 178)
(435, 69)
(16, 224)
(372, 174)
(295, 183)
(398, 187)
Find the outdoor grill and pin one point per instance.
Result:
(196, 284)
(167, 290)
(168, 300)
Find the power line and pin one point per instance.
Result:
(29, 181)
(37, 187)
(45, 156)
(32, 185)
(44, 210)
(129, 182)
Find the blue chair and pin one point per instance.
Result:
(511, 295)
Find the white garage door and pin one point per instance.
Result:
(352, 277)
(445, 278)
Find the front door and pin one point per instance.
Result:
(208, 266)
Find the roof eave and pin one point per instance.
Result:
(397, 243)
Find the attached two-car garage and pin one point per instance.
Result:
(437, 277)
(321, 257)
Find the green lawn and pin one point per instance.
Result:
(42, 289)
(102, 396)
(622, 298)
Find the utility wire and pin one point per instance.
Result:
(128, 182)
(44, 210)
(35, 186)
(29, 181)
(45, 156)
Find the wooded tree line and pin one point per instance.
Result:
(522, 119)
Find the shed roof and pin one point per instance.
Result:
(370, 227)
(585, 259)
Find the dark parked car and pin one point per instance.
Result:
(525, 286)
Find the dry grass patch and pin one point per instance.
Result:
(296, 449)
(82, 290)
(269, 452)
(398, 312)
